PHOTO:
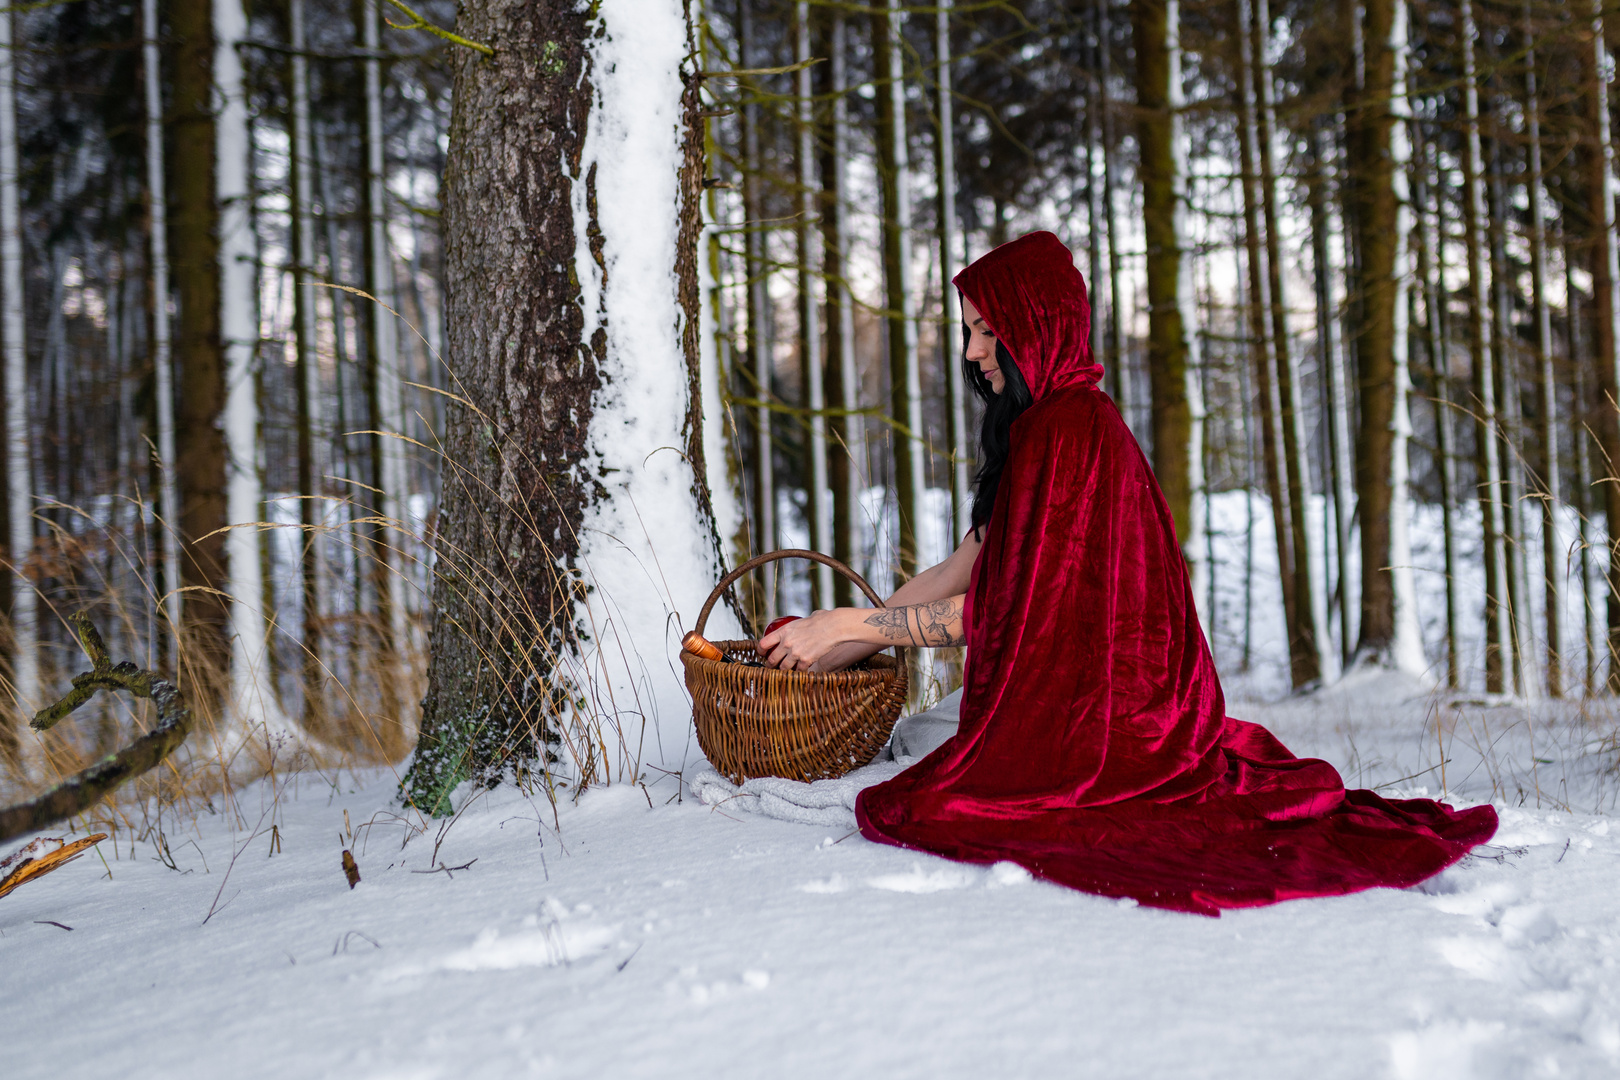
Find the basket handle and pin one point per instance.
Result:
(772, 556)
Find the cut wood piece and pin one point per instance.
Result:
(23, 865)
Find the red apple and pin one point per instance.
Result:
(777, 624)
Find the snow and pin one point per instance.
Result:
(642, 933)
(645, 551)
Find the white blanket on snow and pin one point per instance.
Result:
(831, 803)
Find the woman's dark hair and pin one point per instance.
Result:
(995, 433)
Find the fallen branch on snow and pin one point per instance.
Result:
(83, 790)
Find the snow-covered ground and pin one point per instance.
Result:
(639, 933)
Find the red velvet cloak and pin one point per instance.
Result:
(1094, 746)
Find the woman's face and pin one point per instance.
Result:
(981, 346)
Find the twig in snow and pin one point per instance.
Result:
(448, 871)
(1561, 854)
(623, 963)
(1414, 776)
(51, 922)
(342, 943)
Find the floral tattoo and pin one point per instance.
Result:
(936, 624)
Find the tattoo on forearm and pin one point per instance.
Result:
(936, 624)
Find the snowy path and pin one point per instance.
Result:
(680, 940)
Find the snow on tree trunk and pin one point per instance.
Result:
(1177, 402)
(1377, 152)
(19, 481)
(162, 361)
(576, 540)
(253, 697)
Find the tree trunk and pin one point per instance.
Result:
(162, 359)
(1497, 630)
(1546, 464)
(845, 455)
(961, 484)
(1605, 268)
(1306, 632)
(199, 352)
(761, 349)
(1264, 363)
(253, 696)
(1583, 463)
(1376, 147)
(1177, 411)
(18, 456)
(1432, 275)
(391, 535)
(311, 439)
(820, 521)
(894, 181)
(1336, 469)
(560, 489)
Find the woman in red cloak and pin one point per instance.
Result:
(1094, 747)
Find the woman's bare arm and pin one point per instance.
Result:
(925, 611)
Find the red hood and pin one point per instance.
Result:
(1034, 299)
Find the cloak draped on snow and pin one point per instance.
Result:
(1094, 746)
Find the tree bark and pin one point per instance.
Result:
(1305, 633)
(161, 342)
(1372, 167)
(18, 416)
(894, 182)
(200, 359)
(761, 348)
(1546, 464)
(311, 439)
(1264, 362)
(511, 501)
(949, 339)
(1177, 412)
(1605, 269)
(811, 362)
(1497, 630)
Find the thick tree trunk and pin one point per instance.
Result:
(1376, 151)
(577, 463)
(1177, 410)
(200, 360)
(894, 182)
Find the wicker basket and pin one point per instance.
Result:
(803, 725)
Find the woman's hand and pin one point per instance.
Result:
(801, 644)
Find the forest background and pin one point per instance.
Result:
(321, 336)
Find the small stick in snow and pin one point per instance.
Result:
(51, 922)
(351, 871)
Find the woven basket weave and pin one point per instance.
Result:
(803, 725)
